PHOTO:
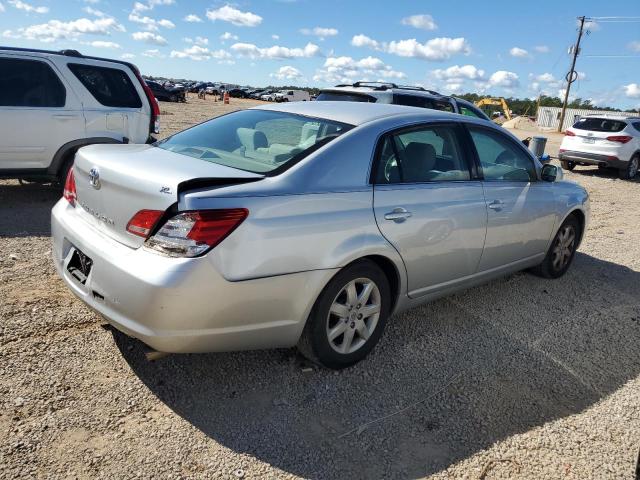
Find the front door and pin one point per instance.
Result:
(520, 209)
(428, 205)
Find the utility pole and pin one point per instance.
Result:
(571, 76)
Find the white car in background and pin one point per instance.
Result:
(608, 141)
(292, 96)
(54, 102)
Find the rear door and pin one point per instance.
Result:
(115, 104)
(429, 204)
(38, 112)
(520, 209)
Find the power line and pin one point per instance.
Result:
(611, 56)
(612, 18)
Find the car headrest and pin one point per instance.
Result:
(252, 139)
(419, 158)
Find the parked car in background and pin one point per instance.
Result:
(54, 102)
(238, 93)
(212, 91)
(379, 92)
(292, 96)
(608, 141)
(306, 223)
(167, 92)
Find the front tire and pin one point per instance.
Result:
(567, 165)
(348, 317)
(562, 250)
(632, 168)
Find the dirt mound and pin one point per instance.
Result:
(524, 123)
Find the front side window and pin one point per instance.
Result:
(258, 141)
(500, 158)
(426, 154)
(29, 83)
(109, 86)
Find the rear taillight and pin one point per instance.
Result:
(191, 234)
(569, 133)
(143, 222)
(69, 191)
(620, 138)
(154, 126)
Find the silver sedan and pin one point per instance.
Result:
(306, 224)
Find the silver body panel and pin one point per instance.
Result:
(256, 288)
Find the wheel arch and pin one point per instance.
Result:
(582, 220)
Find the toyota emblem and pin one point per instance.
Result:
(94, 178)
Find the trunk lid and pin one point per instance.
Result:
(136, 177)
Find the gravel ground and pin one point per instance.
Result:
(520, 378)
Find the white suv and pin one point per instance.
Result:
(53, 103)
(608, 141)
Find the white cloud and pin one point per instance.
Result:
(153, 53)
(425, 22)
(103, 44)
(632, 90)
(287, 72)
(275, 37)
(28, 7)
(127, 56)
(234, 16)
(545, 78)
(346, 69)
(458, 74)
(191, 18)
(518, 52)
(198, 52)
(364, 41)
(320, 32)
(150, 23)
(453, 87)
(541, 49)
(228, 36)
(634, 46)
(150, 4)
(590, 25)
(56, 30)
(504, 79)
(253, 51)
(149, 37)
(94, 12)
(436, 49)
(1, 8)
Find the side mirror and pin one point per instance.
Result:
(551, 173)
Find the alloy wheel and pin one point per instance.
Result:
(564, 246)
(633, 167)
(353, 315)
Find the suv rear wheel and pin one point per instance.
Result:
(631, 170)
(567, 165)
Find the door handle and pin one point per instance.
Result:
(496, 205)
(398, 215)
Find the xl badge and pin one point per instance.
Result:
(94, 178)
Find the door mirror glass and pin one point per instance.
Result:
(551, 173)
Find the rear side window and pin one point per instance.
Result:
(29, 83)
(636, 125)
(600, 125)
(109, 86)
(426, 154)
(500, 158)
(421, 102)
(344, 97)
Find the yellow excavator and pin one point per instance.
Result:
(500, 102)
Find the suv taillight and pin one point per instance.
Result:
(569, 133)
(69, 192)
(154, 124)
(620, 138)
(190, 234)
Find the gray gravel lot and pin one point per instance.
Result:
(520, 378)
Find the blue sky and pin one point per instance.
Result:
(499, 47)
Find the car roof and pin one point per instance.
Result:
(374, 89)
(354, 113)
(611, 116)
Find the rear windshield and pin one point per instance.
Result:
(345, 97)
(600, 125)
(259, 141)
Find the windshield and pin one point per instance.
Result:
(599, 124)
(258, 141)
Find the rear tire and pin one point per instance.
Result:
(567, 165)
(348, 317)
(632, 168)
(562, 250)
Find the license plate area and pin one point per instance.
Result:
(79, 266)
(588, 140)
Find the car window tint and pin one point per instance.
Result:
(636, 125)
(599, 124)
(413, 101)
(500, 158)
(344, 97)
(109, 86)
(469, 113)
(29, 83)
(429, 154)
